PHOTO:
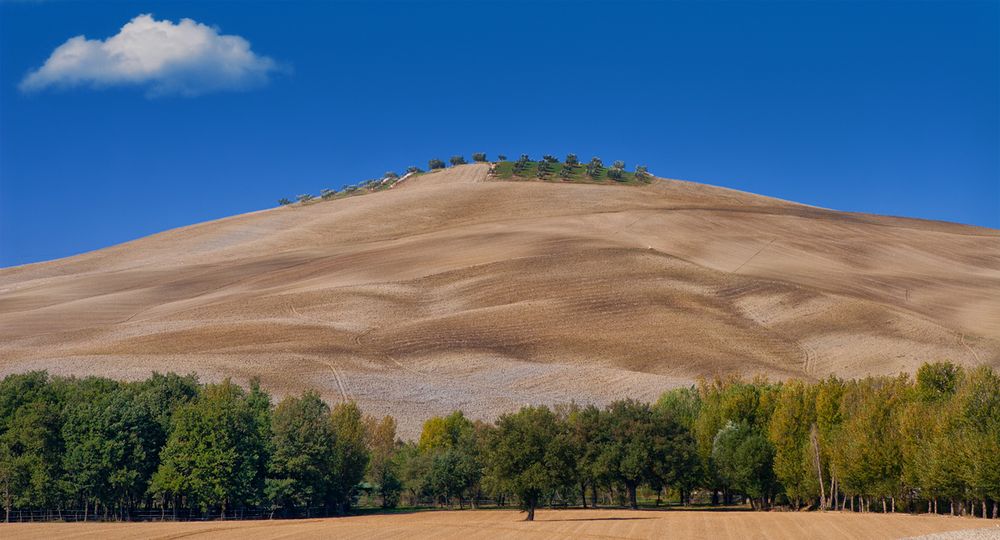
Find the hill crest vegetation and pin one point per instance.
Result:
(548, 169)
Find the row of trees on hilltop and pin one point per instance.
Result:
(169, 446)
(546, 165)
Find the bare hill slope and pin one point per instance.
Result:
(456, 291)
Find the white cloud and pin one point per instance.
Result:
(187, 58)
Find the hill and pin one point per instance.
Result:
(455, 289)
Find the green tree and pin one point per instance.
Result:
(383, 469)
(452, 473)
(976, 414)
(303, 442)
(585, 429)
(937, 382)
(566, 172)
(829, 417)
(542, 169)
(571, 159)
(869, 456)
(595, 167)
(796, 464)
(111, 443)
(682, 404)
(630, 453)
(617, 170)
(30, 442)
(676, 460)
(414, 468)
(744, 459)
(216, 452)
(457, 160)
(443, 432)
(521, 453)
(479, 157)
(435, 164)
(453, 459)
(351, 454)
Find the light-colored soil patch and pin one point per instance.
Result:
(558, 524)
(457, 292)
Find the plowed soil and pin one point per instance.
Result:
(558, 524)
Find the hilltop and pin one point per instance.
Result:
(460, 289)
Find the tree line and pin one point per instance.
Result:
(173, 447)
(593, 169)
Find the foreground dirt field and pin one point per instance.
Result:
(570, 524)
(455, 291)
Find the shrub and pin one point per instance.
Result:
(642, 174)
(595, 167)
(305, 198)
(284, 202)
(457, 160)
(390, 175)
(413, 169)
(543, 169)
(501, 157)
(521, 164)
(549, 158)
(479, 157)
(571, 159)
(617, 170)
(327, 193)
(435, 164)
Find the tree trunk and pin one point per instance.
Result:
(984, 508)
(593, 494)
(532, 501)
(814, 443)
(583, 494)
(885, 510)
(631, 487)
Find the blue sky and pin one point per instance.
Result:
(891, 108)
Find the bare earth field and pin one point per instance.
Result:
(570, 524)
(456, 291)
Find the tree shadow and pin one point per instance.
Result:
(599, 519)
